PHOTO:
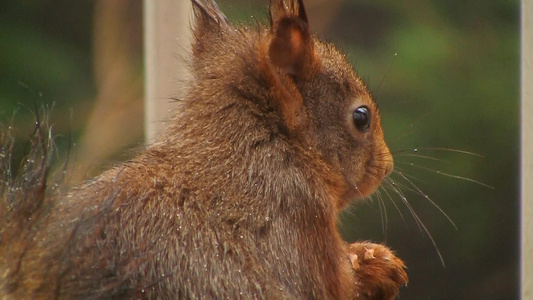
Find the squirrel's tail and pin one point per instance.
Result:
(26, 194)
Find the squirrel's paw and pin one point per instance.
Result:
(378, 272)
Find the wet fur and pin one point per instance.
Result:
(237, 199)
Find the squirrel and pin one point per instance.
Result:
(237, 199)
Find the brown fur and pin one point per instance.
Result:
(238, 198)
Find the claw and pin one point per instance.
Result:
(353, 258)
(369, 254)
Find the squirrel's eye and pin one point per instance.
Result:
(361, 118)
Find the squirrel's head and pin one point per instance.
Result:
(324, 107)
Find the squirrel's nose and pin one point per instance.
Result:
(389, 162)
(389, 167)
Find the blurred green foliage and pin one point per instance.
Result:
(446, 77)
(46, 53)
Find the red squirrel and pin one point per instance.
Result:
(238, 198)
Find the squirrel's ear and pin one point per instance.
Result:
(291, 46)
(209, 19)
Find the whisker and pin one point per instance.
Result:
(449, 175)
(358, 191)
(451, 150)
(425, 157)
(387, 181)
(416, 149)
(388, 71)
(383, 214)
(398, 191)
(407, 184)
(430, 238)
(422, 227)
(428, 198)
(409, 176)
(407, 188)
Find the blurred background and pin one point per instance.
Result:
(444, 73)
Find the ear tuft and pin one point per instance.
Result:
(295, 8)
(291, 47)
(208, 13)
(209, 19)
